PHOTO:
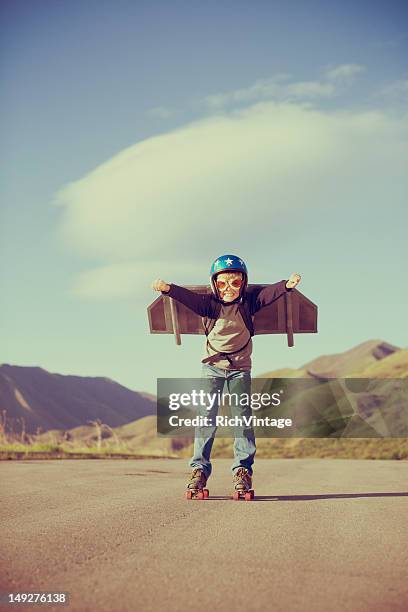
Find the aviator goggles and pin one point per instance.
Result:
(235, 283)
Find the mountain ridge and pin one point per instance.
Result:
(35, 398)
(375, 358)
(340, 365)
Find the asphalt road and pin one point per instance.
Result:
(119, 535)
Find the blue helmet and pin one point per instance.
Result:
(228, 263)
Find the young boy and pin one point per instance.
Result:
(228, 320)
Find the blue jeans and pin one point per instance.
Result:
(235, 381)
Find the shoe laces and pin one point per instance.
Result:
(242, 473)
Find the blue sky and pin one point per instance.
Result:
(144, 140)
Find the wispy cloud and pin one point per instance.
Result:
(344, 72)
(281, 87)
(167, 205)
(129, 279)
(260, 90)
(309, 90)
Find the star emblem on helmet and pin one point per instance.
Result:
(217, 263)
(229, 262)
(241, 262)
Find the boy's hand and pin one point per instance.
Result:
(294, 280)
(160, 285)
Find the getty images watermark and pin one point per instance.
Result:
(204, 400)
(283, 407)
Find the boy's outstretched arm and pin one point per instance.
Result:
(197, 302)
(269, 294)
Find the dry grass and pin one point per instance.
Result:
(321, 448)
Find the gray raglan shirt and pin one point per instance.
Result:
(229, 334)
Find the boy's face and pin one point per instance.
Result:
(229, 285)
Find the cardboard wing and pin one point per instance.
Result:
(292, 313)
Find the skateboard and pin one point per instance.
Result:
(197, 494)
(246, 495)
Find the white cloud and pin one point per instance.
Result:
(344, 72)
(310, 89)
(116, 280)
(170, 204)
(280, 88)
(262, 89)
(131, 279)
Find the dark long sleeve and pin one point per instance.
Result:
(197, 302)
(268, 294)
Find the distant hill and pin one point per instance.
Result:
(373, 359)
(54, 401)
(139, 437)
(394, 366)
(340, 365)
(49, 396)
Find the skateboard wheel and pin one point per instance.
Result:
(200, 495)
(248, 496)
(206, 493)
(189, 494)
(236, 496)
